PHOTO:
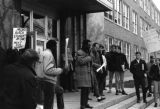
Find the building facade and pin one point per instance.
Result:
(125, 24)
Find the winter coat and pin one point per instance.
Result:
(154, 73)
(120, 59)
(111, 59)
(50, 71)
(136, 68)
(19, 87)
(83, 69)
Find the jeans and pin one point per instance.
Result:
(59, 94)
(156, 90)
(111, 74)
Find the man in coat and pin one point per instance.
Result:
(19, 83)
(138, 68)
(83, 73)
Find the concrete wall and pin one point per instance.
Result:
(9, 18)
(95, 27)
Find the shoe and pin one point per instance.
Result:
(124, 93)
(145, 101)
(149, 94)
(138, 101)
(117, 92)
(155, 105)
(82, 107)
(88, 106)
(100, 99)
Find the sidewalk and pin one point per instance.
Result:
(72, 99)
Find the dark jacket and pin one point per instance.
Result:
(154, 73)
(119, 61)
(83, 69)
(19, 86)
(111, 58)
(136, 68)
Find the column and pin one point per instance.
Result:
(10, 18)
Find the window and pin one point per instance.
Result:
(110, 42)
(134, 21)
(118, 11)
(142, 4)
(106, 43)
(109, 15)
(152, 12)
(136, 48)
(141, 27)
(156, 20)
(125, 16)
(127, 51)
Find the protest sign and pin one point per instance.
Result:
(152, 40)
(19, 38)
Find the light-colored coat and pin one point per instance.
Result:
(83, 69)
(48, 70)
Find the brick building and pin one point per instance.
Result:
(124, 25)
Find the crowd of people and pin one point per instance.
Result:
(28, 78)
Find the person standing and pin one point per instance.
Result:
(155, 75)
(19, 83)
(121, 66)
(111, 65)
(138, 68)
(149, 64)
(50, 73)
(83, 70)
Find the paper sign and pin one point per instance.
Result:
(152, 40)
(19, 38)
(104, 63)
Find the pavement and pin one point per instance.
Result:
(72, 99)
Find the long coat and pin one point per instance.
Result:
(83, 69)
(19, 87)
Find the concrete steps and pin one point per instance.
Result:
(131, 103)
(124, 104)
(142, 105)
(113, 99)
(152, 106)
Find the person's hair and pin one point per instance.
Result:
(51, 44)
(29, 57)
(138, 53)
(151, 57)
(94, 44)
(119, 47)
(101, 46)
(85, 45)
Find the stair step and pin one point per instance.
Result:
(124, 104)
(142, 105)
(113, 100)
(152, 106)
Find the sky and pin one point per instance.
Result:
(157, 3)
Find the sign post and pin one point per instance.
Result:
(19, 38)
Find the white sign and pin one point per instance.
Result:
(19, 38)
(152, 40)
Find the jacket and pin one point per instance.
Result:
(138, 69)
(19, 87)
(111, 58)
(154, 73)
(50, 71)
(120, 59)
(83, 69)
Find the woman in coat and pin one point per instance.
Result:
(83, 73)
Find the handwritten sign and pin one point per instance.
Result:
(152, 40)
(19, 38)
